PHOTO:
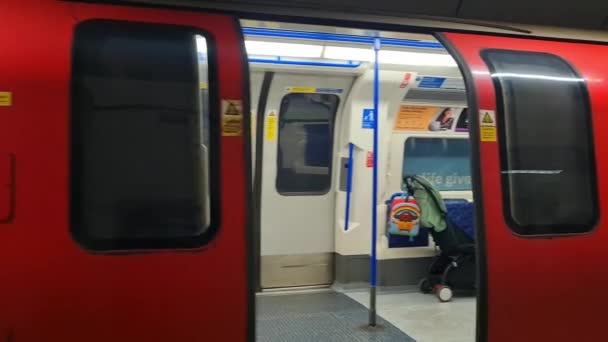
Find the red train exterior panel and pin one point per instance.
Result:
(51, 289)
(540, 289)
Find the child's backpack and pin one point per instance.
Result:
(403, 215)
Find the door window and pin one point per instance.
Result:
(140, 139)
(306, 143)
(546, 143)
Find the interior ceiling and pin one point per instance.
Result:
(584, 14)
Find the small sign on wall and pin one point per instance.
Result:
(369, 160)
(406, 80)
(487, 125)
(232, 118)
(314, 90)
(367, 119)
(271, 126)
(6, 98)
(431, 82)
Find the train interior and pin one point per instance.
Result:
(312, 100)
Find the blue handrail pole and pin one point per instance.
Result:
(349, 184)
(373, 261)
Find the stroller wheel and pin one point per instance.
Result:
(425, 286)
(443, 293)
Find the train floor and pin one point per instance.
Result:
(423, 317)
(333, 316)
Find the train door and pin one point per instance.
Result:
(125, 129)
(298, 200)
(537, 114)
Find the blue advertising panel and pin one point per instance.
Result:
(442, 161)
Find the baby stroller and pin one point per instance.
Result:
(451, 228)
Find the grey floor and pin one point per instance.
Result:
(322, 316)
(423, 317)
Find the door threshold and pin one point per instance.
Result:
(295, 290)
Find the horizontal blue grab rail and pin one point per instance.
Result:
(337, 37)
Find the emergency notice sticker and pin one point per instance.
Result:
(271, 126)
(6, 98)
(232, 118)
(487, 125)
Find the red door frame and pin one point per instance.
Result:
(53, 289)
(533, 289)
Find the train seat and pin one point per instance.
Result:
(454, 267)
(460, 213)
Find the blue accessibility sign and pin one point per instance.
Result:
(368, 118)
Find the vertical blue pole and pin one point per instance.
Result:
(373, 261)
(349, 184)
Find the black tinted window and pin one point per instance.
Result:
(139, 155)
(548, 167)
(306, 143)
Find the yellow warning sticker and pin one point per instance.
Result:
(6, 98)
(488, 133)
(232, 118)
(487, 125)
(487, 118)
(301, 89)
(271, 126)
(202, 85)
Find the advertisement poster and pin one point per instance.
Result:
(431, 118)
(462, 125)
(445, 162)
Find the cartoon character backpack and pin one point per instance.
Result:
(404, 216)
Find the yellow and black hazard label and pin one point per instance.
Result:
(6, 98)
(232, 118)
(487, 125)
(487, 119)
(271, 126)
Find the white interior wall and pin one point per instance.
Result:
(356, 240)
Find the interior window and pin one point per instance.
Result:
(546, 143)
(305, 143)
(141, 143)
(442, 161)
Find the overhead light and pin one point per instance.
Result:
(283, 49)
(389, 56)
(415, 58)
(348, 53)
